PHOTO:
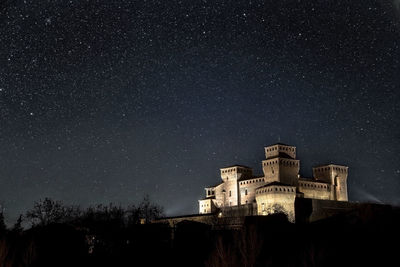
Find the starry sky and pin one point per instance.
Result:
(106, 101)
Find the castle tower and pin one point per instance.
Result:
(228, 194)
(235, 172)
(335, 175)
(281, 164)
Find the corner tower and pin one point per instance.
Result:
(336, 175)
(227, 194)
(281, 164)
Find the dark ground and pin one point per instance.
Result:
(366, 237)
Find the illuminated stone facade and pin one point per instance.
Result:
(278, 188)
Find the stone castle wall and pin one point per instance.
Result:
(315, 190)
(275, 199)
(248, 188)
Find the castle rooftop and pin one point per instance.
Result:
(236, 165)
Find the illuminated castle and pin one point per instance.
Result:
(278, 189)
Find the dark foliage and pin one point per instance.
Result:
(3, 227)
(108, 236)
(365, 237)
(48, 211)
(17, 228)
(145, 211)
(50, 245)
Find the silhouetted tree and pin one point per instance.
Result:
(49, 211)
(17, 228)
(3, 227)
(250, 243)
(145, 210)
(224, 254)
(102, 217)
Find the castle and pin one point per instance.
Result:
(278, 189)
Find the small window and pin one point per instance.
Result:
(245, 192)
(230, 193)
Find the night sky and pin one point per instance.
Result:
(106, 101)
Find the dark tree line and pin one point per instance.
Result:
(108, 235)
(68, 235)
(48, 211)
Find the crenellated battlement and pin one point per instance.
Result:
(236, 172)
(280, 150)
